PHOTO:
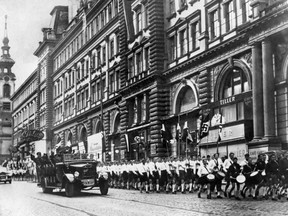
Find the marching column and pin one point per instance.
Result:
(268, 90)
(258, 123)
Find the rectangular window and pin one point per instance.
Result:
(244, 11)
(82, 70)
(6, 106)
(172, 6)
(130, 67)
(111, 83)
(117, 80)
(143, 109)
(98, 57)
(146, 58)
(112, 48)
(195, 33)
(182, 4)
(97, 24)
(98, 91)
(214, 24)
(115, 7)
(102, 19)
(104, 54)
(138, 63)
(230, 16)
(146, 16)
(93, 93)
(138, 21)
(109, 12)
(183, 42)
(172, 48)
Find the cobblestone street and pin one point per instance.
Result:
(25, 199)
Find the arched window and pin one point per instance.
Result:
(6, 90)
(186, 100)
(235, 83)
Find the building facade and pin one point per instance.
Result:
(86, 81)
(7, 88)
(133, 79)
(24, 103)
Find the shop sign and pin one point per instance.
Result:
(31, 135)
(95, 145)
(239, 151)
(256, 151)
(227, 100)
(228, 133)
(81, 147)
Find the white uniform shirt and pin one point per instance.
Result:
(216, 162)
(141, 168)
(227, 164)
(203, 170)
(181, 165)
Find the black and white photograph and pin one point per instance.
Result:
(143, 107)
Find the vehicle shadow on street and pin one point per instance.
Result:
(82, 194)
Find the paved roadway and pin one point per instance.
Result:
(26, 199)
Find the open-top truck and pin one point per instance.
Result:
(73, 175)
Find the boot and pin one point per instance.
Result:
(147, 188)
(157, 188)
(190, 187)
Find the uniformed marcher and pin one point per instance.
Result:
(227, 163)
(233, 171)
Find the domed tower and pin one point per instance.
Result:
(7, 88)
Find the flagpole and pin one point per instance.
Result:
(180, 137)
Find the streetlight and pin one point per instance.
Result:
(99, 74)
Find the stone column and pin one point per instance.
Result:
(257, 84)
(268, 90)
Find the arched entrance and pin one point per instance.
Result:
(83, 139)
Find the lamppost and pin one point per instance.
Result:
(99, 74)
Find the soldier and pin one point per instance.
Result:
(227, 163)
(283, 163)
(143, 171)
(38, 161)
(216, 165)
(182, 173)
(203, 172)
(272, 172)
(233, 171)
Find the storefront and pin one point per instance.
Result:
(231, 116)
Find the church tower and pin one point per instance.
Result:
(7, 88)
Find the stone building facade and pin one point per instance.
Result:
(130, 78)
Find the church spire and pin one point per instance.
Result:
(5, 39)
(5, 61)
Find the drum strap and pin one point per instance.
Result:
(206, 169)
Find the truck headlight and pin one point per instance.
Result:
(76, 174)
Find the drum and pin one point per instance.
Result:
(240, 179)
(220, 175)
(255, 177)
(210, 177)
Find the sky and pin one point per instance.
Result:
(25, 20)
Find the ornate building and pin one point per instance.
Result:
(7, 88)
(86, 81)
(135, 78)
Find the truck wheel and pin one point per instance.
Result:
(43, 186)
(104, 185)
(10, 182)
(69, 189)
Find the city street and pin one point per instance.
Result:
(23, 198)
